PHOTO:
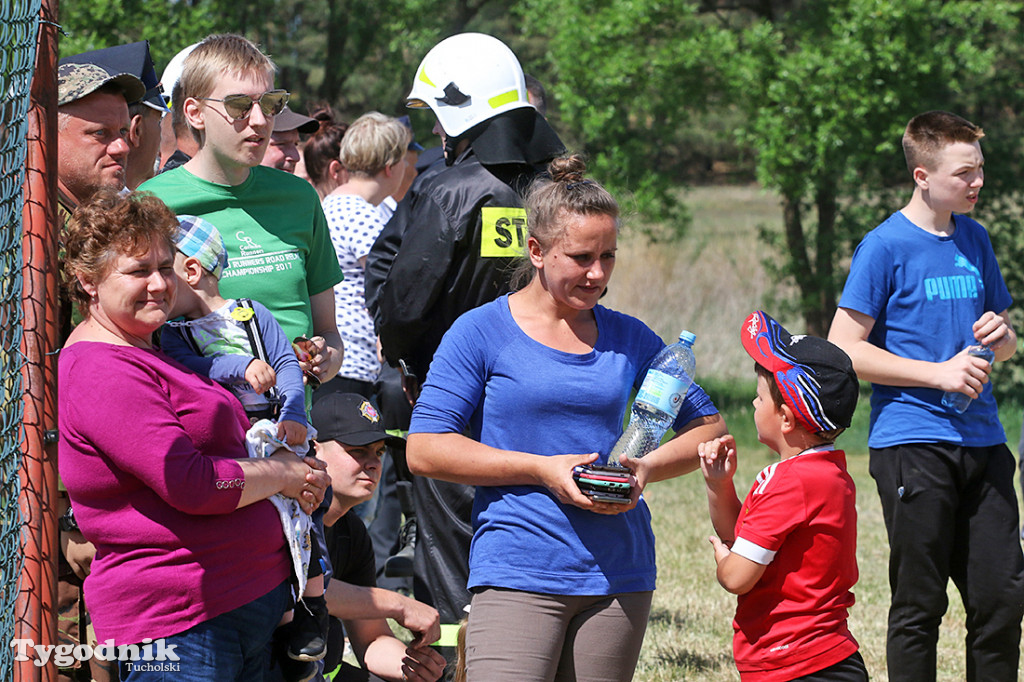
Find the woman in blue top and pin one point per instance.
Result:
(541, 378)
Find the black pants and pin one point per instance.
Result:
(951, 512)
(850, 669)
(444, 530)
(384, 531)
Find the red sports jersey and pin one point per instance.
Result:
(800, 520)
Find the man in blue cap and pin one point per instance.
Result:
(144, 114)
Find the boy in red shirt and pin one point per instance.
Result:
(789, 551)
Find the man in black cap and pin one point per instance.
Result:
(351, 441)
(144, 114)
(283, 152)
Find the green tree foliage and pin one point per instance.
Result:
(168, 25)
(813, 96)
(997, 104)
(629, 77)
(826, 90)
(355, 55)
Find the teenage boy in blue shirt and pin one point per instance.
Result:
(923, 286)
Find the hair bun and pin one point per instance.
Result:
(568, 169)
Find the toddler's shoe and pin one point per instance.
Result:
(308, 641)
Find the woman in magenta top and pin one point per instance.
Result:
(188, 549)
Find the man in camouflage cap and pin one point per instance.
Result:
(92, 123)
(144, 114)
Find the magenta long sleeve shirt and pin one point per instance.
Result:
(147, 453)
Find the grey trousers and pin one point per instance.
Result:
(516, 636)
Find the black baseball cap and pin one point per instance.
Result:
(816, 377)
(349, 418)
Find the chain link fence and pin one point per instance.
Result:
(19, 24)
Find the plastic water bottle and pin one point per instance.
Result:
(956, 401)
(658, 402)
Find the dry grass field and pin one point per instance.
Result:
(708, 284)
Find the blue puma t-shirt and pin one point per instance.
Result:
(925, 292)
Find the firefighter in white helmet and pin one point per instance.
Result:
(466, 80)
(449, 248)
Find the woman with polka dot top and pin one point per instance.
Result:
(373, 152)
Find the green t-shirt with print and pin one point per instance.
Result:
(279, 247)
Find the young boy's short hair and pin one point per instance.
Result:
(813, 377)
(216, 55)
(198, 238)
(928, 133)
(372, 143)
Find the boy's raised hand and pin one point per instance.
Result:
(260, 375)
(718, 458)
(291, 432)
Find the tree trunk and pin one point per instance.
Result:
(337, 37)
(825, 201)
(800, 264)
(814, 280)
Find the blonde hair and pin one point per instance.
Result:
(563, 190)
(214, 57)
(372, 143)
(928, 133)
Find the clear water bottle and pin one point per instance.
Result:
(659, 400)
(956, 401)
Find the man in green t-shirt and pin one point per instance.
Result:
(279, 249)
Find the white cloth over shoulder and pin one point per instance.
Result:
(261, 441)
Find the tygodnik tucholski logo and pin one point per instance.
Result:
(149, 655)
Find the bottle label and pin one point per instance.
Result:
(662, 391)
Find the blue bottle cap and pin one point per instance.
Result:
(687, 337)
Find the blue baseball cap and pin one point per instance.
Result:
(414, 146)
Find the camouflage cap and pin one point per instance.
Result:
(75, 81)
(133, 58)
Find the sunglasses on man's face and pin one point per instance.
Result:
(238, 107)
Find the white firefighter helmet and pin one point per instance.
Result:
(172, 72)
(467, 79)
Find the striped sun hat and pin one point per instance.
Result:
(199, 238)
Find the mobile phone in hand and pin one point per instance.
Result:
(305, 350)
(604, 483)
